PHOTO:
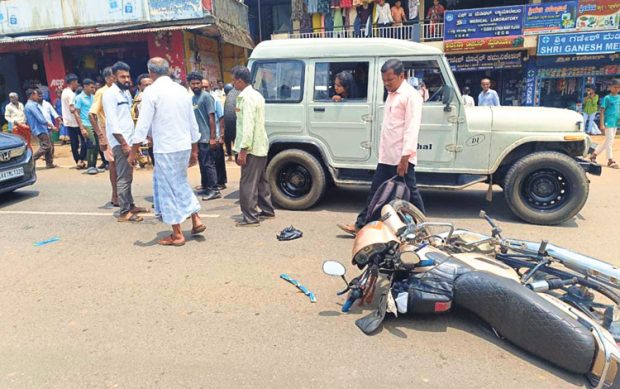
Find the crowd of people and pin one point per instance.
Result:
(175, 126)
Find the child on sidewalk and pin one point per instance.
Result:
(610, 115)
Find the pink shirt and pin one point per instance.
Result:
(402, 116)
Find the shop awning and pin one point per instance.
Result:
(99, 32)
(234, 35)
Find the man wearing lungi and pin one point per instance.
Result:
(168, 111)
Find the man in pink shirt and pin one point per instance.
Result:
(402, 116)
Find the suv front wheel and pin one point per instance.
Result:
(297, 179)
(546, 188)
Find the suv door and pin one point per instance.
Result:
(345, 126)
(281, 82)
(438, 132)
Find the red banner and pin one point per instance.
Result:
(495, 43)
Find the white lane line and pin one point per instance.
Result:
(46, 213)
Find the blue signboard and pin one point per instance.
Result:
(484, 22)
(550, 17)
(579, 43)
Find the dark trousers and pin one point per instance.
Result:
(254, 189)
(91, 144)
(124, 179)
(46, 148)
(78, 148)
(384, 173)
(220, 165)
(208, 171)
(230, 135)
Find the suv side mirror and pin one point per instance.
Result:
(448, 93)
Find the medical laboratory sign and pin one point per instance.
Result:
(579, 43)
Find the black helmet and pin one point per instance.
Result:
(228, 88)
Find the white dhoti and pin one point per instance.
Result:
(173, 196)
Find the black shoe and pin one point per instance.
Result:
(212, 195)
(222, 187)
(264, 215)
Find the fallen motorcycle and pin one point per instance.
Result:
(554, 303)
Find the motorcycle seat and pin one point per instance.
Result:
(527, 320)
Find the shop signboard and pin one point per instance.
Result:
(486, 61)
(578, 60)
(465, 45)
(598, 14)
(484, 22)
(550, 17)
(175, 10)
(579, 43)
(18, 16)
(94, 13)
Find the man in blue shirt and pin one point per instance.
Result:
(82, 104)
(39, 127)
(488, 97)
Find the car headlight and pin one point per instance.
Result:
(18, 151)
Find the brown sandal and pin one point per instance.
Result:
(169, 241)
(199, 230)
(612, 164)
(131, 219)
(139, 210)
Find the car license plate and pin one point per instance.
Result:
(13, 173)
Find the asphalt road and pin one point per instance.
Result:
(106, 307)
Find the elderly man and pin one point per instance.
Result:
(398, 147)
(14, 112)
(168, 112)
(488, 97)
(119, 128)
(252, 147)
(40, 126)
(97, 119)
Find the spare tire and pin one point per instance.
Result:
(527, 320)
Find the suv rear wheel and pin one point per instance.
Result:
(546, 188)
(297, 179)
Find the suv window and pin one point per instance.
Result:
(354, 74)
(426, 77)
(279, 82)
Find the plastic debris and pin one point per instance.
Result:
(289, 233)
(299, 286)
(47, 241)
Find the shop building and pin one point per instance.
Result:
(191, 35)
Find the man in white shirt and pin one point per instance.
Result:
(168, 113)
(14, 112)
(119, 129)
(49, 112)
(78, 143)
(467, 99)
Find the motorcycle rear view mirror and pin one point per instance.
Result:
(334, 268)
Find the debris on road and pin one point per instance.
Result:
(47, 241)
(289, 233)
(299, 286)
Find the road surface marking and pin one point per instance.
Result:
(45, 213)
